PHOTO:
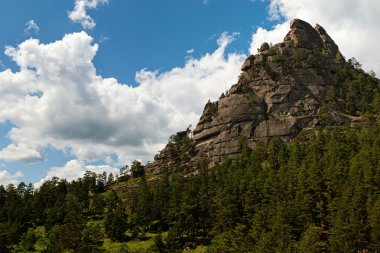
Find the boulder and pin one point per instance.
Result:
(264, 47)
(248, 63)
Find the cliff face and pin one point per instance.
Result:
(282, 89)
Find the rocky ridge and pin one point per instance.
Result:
(282, 90)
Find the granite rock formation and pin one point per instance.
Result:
(281, 91)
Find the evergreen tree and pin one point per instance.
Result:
(115, 220)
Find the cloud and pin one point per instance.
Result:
(20, 152)
(31, 28)
(190, 51)
(262, 35)
(79, 14)
(75, 169)
(352, 24)
(7, 178)
(56, 99)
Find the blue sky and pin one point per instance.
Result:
(95, 84)
(140, 33)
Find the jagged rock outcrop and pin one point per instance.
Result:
(280, 91)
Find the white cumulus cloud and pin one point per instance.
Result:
(8, 178)
(79, 14)
(56, 99)
(352, 24)
(19, 152)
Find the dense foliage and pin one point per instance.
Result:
(319, 193)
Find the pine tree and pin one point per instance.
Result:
(115, 220)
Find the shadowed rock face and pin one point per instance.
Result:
(280, 92)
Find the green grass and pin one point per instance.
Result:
(143, 246)
(114, 247)
(134, 246)
(199, 249)
(117, 185)
(140, 246)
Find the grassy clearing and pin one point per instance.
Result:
(131, 247)
(140, 246)
(114, 247)
(135, 246)
(199, 249)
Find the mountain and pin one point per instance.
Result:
(301, 83)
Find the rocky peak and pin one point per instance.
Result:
(328, 42)
(303, 35)
(282, 90)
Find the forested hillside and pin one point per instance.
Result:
(319, 193)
